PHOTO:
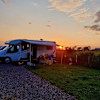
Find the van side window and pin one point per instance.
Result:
(25, 47)
(13, 49)
(49, 47)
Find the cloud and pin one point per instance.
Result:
(93, 27)
(3, 1)
(97, 33)
(97, 17)
(49, 21)
(66, 5)
(81, 15)
(29, 23)
(7, 2)
(48, 26)
(73, 7)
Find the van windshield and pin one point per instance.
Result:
(2, 47)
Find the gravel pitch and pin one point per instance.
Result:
(17, 83)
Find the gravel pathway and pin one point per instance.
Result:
(17, 83)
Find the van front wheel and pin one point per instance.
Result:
(7, 60)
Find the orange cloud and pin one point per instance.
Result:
(81, 15)
(66, 5)
(73, 7)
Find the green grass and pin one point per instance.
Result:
(78, 81)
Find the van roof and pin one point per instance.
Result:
(15, 42)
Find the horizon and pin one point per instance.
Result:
(67, 22)
(2, 43)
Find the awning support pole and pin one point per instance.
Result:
(30, 52)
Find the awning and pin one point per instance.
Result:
(47, 43)
(16, 42)
(13, 42)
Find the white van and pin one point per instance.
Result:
(20, 49)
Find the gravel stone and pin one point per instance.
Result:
(17, 83)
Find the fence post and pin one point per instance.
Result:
(76, 58)
(88, 59)
(61, 56)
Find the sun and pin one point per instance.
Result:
(60, 47)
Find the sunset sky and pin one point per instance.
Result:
(68, 22)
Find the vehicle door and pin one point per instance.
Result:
(14, 53)
(24, 50)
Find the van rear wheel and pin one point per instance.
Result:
(7, 60)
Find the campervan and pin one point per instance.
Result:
(21, 49)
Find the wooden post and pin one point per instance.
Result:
(62, 55)
(76, 59)
(88, 59)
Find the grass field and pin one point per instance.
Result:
(78, 81)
